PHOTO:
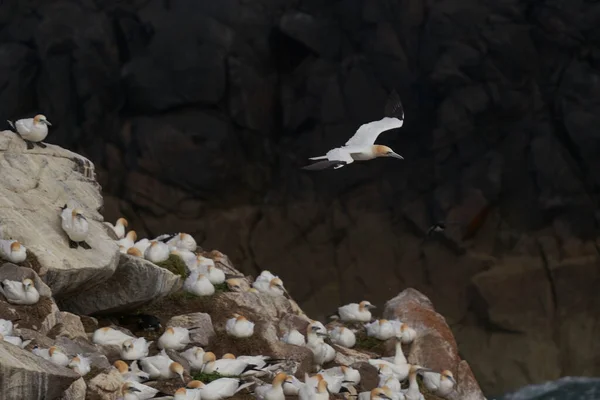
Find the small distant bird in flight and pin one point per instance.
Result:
(361, 146)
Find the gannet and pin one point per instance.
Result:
(53, 354)
(219, 388)
(13, 251)
(239, 326)
(441, 384)
(322, 352)
(6, 327)
(351, 375)
(195, 357)
(381, 329)
(129, 391)
(361, 146)
(225, 366)
(198, 284)
(16, 340)
(408, 333)
(334, 381)
(292, 386)
(129, 240)
(175, 338)
(141, 245)
(75, 226)
(132, 251)
(413, 393)
(399, 358)
(390, 382)
(145, 391)
(342, 336)
(186, 394)
(135, 375)
(23, 293)
(375, 394)
(161, 366)
(234, 284)
(119, 227)
(189, 258)
(204, 262)
(273, 287)
(32, 130)
(261, 363)
(294, 337)
(180, 240)
(134, 349)
(110, 336)
(215, 275)
(307, 392)
(157, 252)
(80, 364)
(273, 391)
(356, 312)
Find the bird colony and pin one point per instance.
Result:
(263, 376)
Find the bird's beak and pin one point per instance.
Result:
(134, 389)
(47, 122)
(322, 334)
(385, 397)
(371, 306)
(396, 155)
(451, 379)
(423, 369)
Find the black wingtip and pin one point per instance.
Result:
(393, 107)
(323, 165)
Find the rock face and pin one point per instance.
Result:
(434, 345)
(499, 138)
(34, 184)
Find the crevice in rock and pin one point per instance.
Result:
(549, 276)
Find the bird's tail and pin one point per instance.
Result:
(11, 124)
(318, 158)
(244, 385)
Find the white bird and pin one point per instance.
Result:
(6, 327)
(399, 357)
(292, 386)
(351, 375)
(195, 357)
(265, 363)
(75, 226)
(110, 336)
(361, 146)
(135, 375)
(273, 287)
(215, 275)
(189, 258)
(239, 326)
(342, 336)
(13, 251)
(375, 394)
(52, 354)
(204, 262)
(186, 394)
(134, 349)
(219, 388)
(80, 364)
(381, 329)
(356, 312)
(307, 391)
(129, 391)
(132, 251)
(408, 333)
(161, 366)
(182, 241)
(175, 338)
(129, 240)
(322, 352)
(389, 381)
(334, 381)
(294, 337)
(119, 227)
(198, 284)
(413, 392)
(145, 391)
(441, 384)
(265, 276)
(32, 130)
(16, 340)
(157, 252)
(273, 391)
(23, 293)
(225, 366)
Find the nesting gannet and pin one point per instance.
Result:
(343, 336)
(225, 366)
(204, 262)
(189, 258)
(334, 381)
(183, 241)
(351, 375)
(161, 366)
(53, 354)
(381, 329)
(198, 284)
(273, 287)
(261, 363)
(389, 381)
(307, 391)
(80, 364)
(119, 227)
(32, 130)
(16, 340)
(375, 394)
(219, 388)
(441, 384)
(23, 293)
(215, 275)
(175, 338)
(186, 394)
(129, 240)
(399, 372)
(6, 327)
(361, 146)
(234, 284)
(135, 375)
(408, 334)
(157, 252)
(322, 352)
(132, 251)
(239, 326)
(134, 349)
(273, 391)
(355, 312)
(292, 386)
(294, 337)
(413, 393)
(195, 357)
(399, 357)
(13, 251)
(110, 336)
(129, 391)
(75, 226)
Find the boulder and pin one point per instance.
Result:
(76, 391)
(24, 375)
(105, 386)
(135, 283)
(41, 316)
(434, 346)
(34, 184)
(199, 325)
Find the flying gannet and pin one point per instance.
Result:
(361, 146)
(32, 130)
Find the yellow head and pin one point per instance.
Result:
(123, 222)
(134, 251)
(228, 356)
(121, 366)
(15, 246)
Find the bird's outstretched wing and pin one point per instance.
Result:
(394, 118)
(324, 165)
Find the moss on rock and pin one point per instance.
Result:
(174, 264)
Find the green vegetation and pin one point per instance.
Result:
(368, 343)
(174, 264)
(221, 287)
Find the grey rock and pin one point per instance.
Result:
(76, 391)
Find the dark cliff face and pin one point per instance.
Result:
(199, 114)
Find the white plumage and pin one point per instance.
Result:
(239, 326)
(161, 366)
(175, 338)
(23, 293)
(342, 336)
(354, 312)
(13, 251)
(134, 349)
(75, 226)
(195, 357)
(198, 284)
(110, 336)
(80, 364)
(52, 354)
(294, 337)
(157, 252)
(32, 129)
